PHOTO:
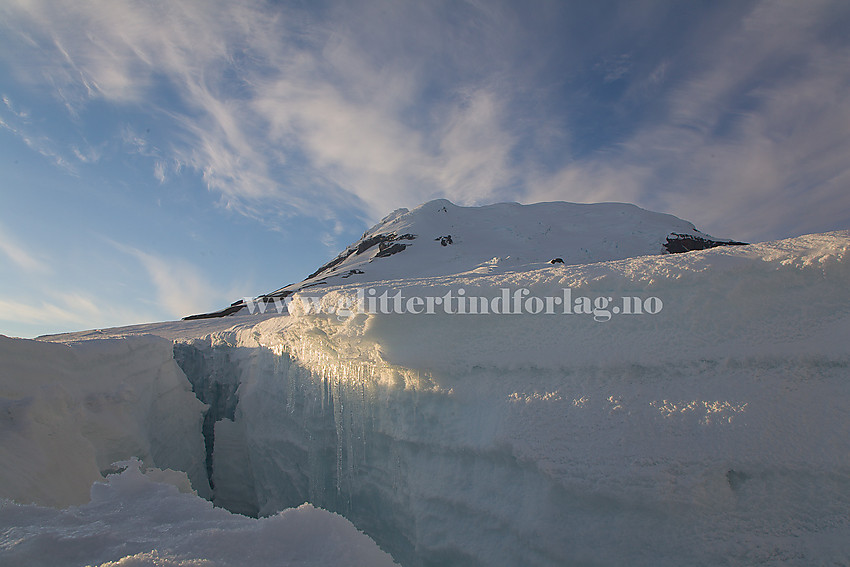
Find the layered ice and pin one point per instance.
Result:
(69, 411)
(712, 430)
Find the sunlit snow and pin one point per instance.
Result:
(712, 432)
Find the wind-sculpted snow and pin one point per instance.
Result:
(441, 238)
(134, 521)
(713, 431)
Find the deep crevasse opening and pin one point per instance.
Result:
(303, 429)
(713, 431)
(487, 473)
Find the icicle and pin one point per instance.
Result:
(338, 407)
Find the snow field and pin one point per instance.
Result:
(713, 432)
(132, 521)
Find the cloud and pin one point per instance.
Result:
(47, 303)
(19, 123)
(44, 313)
(42, 301)
(87, 154)
(278, 109)
(733, 116)
(752, 144)
(64, 310)
(159, 171)
(181, 288)
(614, 68)
(11, 107)
(19, 126)
(20, 256)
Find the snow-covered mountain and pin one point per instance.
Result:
(704, 425)
(440, 238)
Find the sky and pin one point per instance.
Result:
(167, 157)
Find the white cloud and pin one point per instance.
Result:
(87, 154)
(181, 288)
(56, 311)
(48, 300)
(38, 143)
(271, 93)
(752, 145)
(22, 115)
(614, 68)
(21, 256)
(293, 111)
(43, 313)
(159, 171)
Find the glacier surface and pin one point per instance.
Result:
(133, 520)
(439, 238)
(713, 432)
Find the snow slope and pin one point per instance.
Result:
(713, 432)
(440, 238)
(710, 432)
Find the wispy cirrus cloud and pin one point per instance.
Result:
(58, 311)
(21, 256)
(753, 142)
(60, 308)
(48, 301)
(18, 125)
(740, 125)
(181, 288)
(53, 302)
(275, 109)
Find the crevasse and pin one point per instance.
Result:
(713, 432)
(707, 432)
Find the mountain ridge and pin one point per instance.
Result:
(441, 238)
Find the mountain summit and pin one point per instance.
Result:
(440, 238)
(452, 436)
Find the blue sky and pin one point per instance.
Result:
(161, 158)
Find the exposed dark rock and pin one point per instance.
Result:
(234, 307)
(372, 241)
(365, 244)
(556, 261)
(271, 297)
(445, 240)
(353, 272)
(677, 243)
(336, 261)
(381, 239)
(388, 249)
(736, 478)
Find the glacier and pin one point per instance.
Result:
(439, 238)
(712, 432)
